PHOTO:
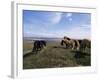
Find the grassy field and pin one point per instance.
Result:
(54, 55)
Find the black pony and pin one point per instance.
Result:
(38, 45)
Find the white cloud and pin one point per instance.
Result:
(81, 32)
(68, 15)
(70, 19)
(77, 33)
(55, 18)
(74, 32)
(86, 26)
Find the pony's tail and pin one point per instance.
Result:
(62, 42)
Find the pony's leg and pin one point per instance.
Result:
(73, 45)
(78, 47)
(41, 47)
(70, 46)
(66, 46)
(33, 49)
(73, 48)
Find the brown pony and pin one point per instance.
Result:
(70, 43)
(85, 43)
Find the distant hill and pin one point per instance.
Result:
(42, 38)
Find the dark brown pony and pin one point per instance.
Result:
(85, 43)
(38, 45)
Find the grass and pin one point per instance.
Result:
(54, 55)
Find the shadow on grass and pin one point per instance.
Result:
(56, 47)
(80, 54)
(82, 58)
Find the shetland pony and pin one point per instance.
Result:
(38, 45)
(70, 43)
(84, 44)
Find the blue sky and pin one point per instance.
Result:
(56, 24)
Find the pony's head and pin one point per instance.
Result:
(43, 42)
(67, 38)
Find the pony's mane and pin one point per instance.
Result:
(67, 38)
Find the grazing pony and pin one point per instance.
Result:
(42, 43)
(70, 43)
(85, 43)
(38, 45)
